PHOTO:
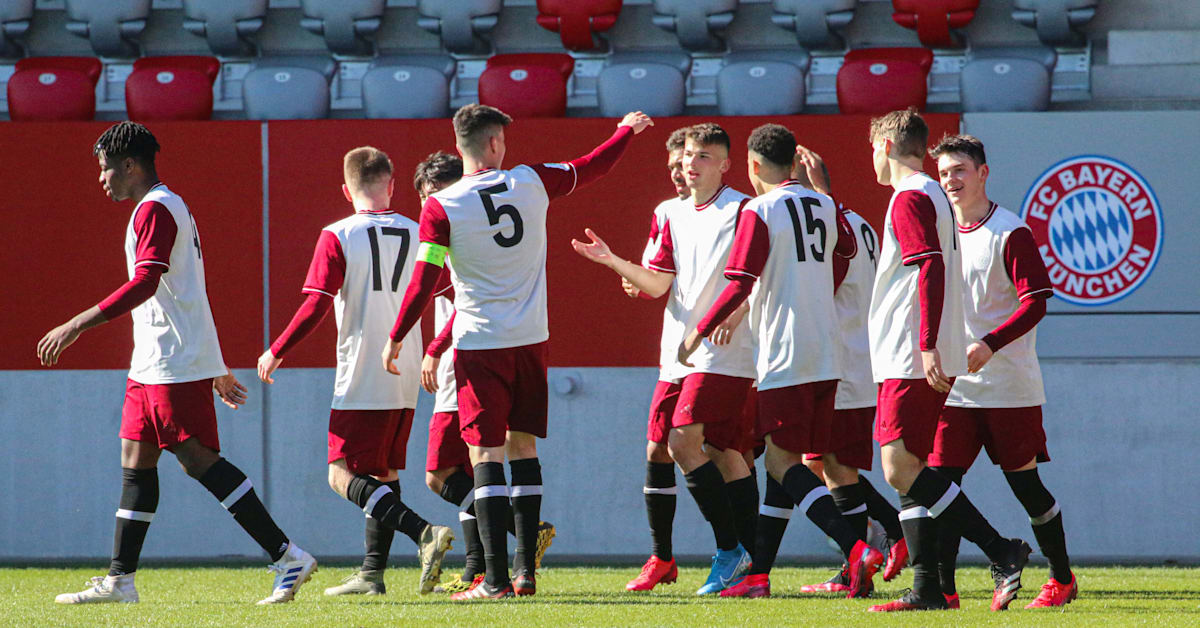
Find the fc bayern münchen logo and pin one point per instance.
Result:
(1098, 226)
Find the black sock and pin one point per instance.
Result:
(808, 492)
(527, 509)
(139, 500)
(1045, 518)
(233, 489)
(708, 489)
(379, 539)
(850, 501)
(457, 487)
(743, 503)
(773, 518)
(948, 540)
(491, 510)
(949, 505)
(472, 543)
(660, 494)
(881, 510)
(383, 503)
(921, 535)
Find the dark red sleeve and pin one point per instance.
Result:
(732, 297)
(845, 250)
(931, 294)
(420, 292)
(310, 314)
(1028, 273)
(327, 270)
(1028, 314)
(435, 226)
(155, 229)
(663, 258)
(444, 287)
(914, 221)
(751, 247)
(442, 341)
(562, 179)
(133, 292)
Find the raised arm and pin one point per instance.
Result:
(653, 281)
(562, 179)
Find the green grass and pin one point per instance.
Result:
(577, 596)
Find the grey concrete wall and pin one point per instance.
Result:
(1122, 436)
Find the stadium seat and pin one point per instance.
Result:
(878, 80)
(561, 63)
(227, 25)
(1007, 79)
(287, 89)
(53, 88)
(762, 83)
(171, 88)
(1056, 20)
(111, 26)
(816, 22)
(348, 26)
(697, 23)
(461, 23)
(524, 90)
(934, 19)
(15, 16)
(408, 87)
(576, 21)
(657, 89)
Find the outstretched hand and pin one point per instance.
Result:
(597, 250)
(637, 120)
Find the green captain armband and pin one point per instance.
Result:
(431, 253)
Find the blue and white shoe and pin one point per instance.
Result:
(292, 570)
(728, 566)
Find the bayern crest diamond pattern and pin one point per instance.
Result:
(1091, 231)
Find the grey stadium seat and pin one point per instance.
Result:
(762, 83)
(14, 23)
(654, 88)
(1007, 79)
(227, 25)
(1056, 20)
(287, 89)
(697, 23)
(348, 26)
(408, 87)
(815, 22)
(111, 26)
(460, 23)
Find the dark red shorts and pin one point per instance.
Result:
(372, 442)
(751, 441)
(1012, 437)
(501, 390)
(717, 401)
(909, 409)
(446, 447)
(168, 414)
(850, 439)
(662, 407)
(798, 418)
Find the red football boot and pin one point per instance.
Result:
(1007, 575)
(655, 571)
(1055, 594)
(839, 583)
(481, 590)
(897, 559)
(909, 602)
(951, 600)
(524, 583)
(753, 585)
(863, 563)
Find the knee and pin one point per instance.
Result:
(433, 482)
(333, 479)
(658, 452)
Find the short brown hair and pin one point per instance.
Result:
(473, 121)
(366, 166)
(905, 128)
(440, 167)
(964, 144)
(678, 138)
(708, 134)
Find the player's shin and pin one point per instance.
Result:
(661, 495)
(233, 489)
(383, 503)
(708, 488)
(881, 510)
(921, 535)
(948, 541)
(139, 500)
(810, 495)
(379, 539)
(1045, 518)
(947, 503)
(491, 510)
(743, 501)
(773, 517)
(526, 507)
(850, 501)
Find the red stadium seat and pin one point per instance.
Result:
(171, 88)
(524, 91)
(561, 63)
(878, 80)
(53, 88)
(576, 21)
(933, 19)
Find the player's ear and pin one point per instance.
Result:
(984, 171)
(346, 193)
(391, 186)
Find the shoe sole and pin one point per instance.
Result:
(545, 539)
(425, 585)
(302, 580)
(669, 578)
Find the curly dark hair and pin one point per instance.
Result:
(775, 143)
(677, 139)
(127, 139)
(439, 167)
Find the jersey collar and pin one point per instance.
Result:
(479, 172)
(713, 199)
(973, 227)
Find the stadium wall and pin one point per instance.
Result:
(1120, 383)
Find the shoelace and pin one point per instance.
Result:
(647, 569)
(97, 583)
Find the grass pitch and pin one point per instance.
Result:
(582, 596)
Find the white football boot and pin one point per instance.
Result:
(292, 570)
(103, 589)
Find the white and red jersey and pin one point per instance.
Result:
(919, 224)
(852, 300)
(446, 398)
(1001, 268)
(694, 245)
(669, 342)
(789, 248)
(364, 262)
(174, 336)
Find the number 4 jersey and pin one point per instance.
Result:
(364, 262)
